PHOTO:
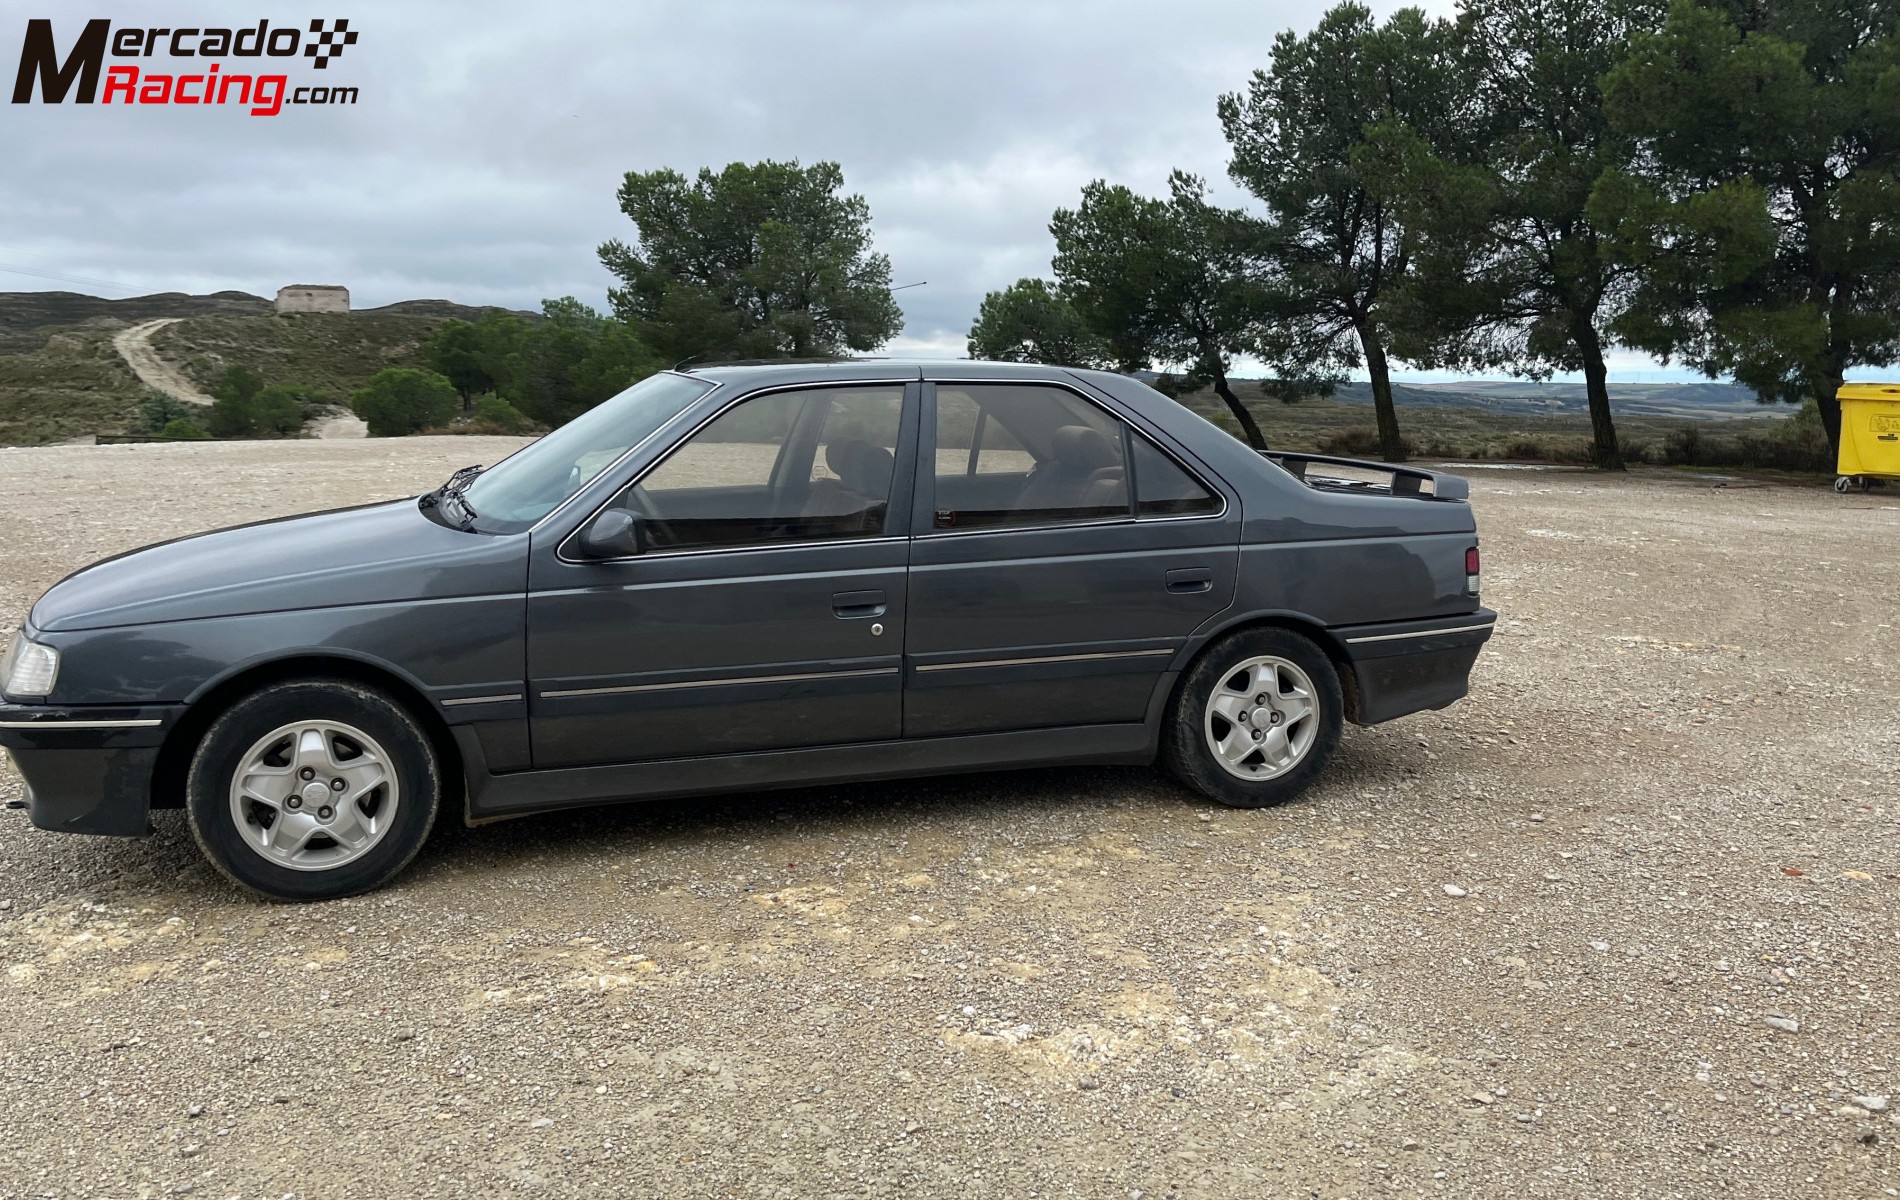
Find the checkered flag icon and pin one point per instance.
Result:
(329, 43)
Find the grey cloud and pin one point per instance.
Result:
(481, 161)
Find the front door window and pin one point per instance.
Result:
(787, 467)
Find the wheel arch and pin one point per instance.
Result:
(1308, 627)
(211, 700)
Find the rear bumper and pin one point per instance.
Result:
(89, 769)
(1408, 666)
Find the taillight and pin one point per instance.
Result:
(1471, 570)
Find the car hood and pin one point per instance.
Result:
(377, 554)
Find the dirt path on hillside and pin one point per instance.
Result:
(1622, 923)
(135, 347)
(339, 424)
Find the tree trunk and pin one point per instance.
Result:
(1827, 399)
(1391, 445)
(1604, 451)
(1248, 425)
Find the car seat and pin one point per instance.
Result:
(1083, 471)
(854, 501)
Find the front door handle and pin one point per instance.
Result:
(1187, 580)
(851, 606)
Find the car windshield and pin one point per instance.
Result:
(534, 480)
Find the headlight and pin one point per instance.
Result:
(29, 668)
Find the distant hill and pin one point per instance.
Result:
(26, 317)
(1694, 400)
(446, 310)
(331, 354)
(61, 378)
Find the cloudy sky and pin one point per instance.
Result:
(480, 162)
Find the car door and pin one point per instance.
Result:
(764, 608)
(1061, 558)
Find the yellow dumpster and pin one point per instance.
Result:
(1870, 435)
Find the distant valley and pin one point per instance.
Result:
(1689, 401)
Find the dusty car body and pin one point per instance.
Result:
(732, 578)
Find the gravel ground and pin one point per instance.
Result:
(1621, 924)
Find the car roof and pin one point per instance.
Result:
(757, 374)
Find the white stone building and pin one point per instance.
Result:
(313, 297)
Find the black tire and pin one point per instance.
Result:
(228, 745)
(1185, 745)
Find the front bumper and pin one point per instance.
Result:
(1408, 666)
(87, 769)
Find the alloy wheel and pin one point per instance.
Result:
(314, 795)
(1261, 718)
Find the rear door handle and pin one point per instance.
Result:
(855, 605)
(1187, 580)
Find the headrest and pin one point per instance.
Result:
(839, 455)
(858, 464)
(1080, 446)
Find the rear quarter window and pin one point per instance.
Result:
(1164, 489)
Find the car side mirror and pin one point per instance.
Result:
(614, 534)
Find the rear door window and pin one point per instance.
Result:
(1025, 454)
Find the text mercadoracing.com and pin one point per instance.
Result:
(78, 72)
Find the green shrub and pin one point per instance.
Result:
(1683, 447)
(1351, 443)
(498, 416)
(1798, 443)
(402, 400)
(182, 427)
(236, 383)
(158, 410)
(267, 412)
(1360, 442)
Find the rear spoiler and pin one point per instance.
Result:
(1400, 480)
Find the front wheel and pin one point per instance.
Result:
(1256, 719)
(313, 789)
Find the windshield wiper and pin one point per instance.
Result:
(456, 491)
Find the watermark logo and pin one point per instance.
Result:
(77, 72)
(329, 43)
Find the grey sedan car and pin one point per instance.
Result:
(743, 577)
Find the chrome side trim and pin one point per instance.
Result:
(1393, 637)
(700, 683)
(482, 700)
(936, 534)
(1041, 658)
(756, 548)
(141, 723)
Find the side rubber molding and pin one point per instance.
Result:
(494, 796)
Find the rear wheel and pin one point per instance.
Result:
(313, 789)
(1256, 719)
